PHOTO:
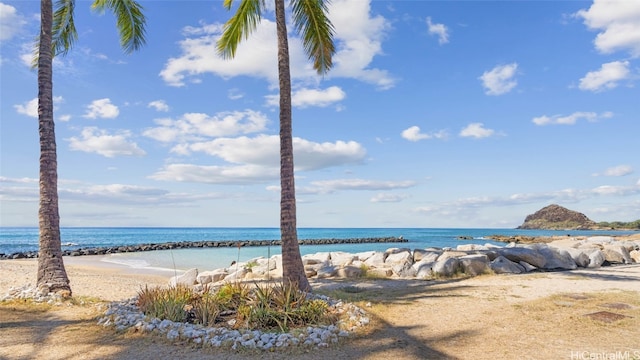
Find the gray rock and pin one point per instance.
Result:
(502, 265)
(447, 267)
(376, 260)
(527, 267)
(555, 258)
(207, 277)
(350, 272)
(326, 272)
(428, 255)
(474, 264)
(517, 254)
(635, 255)
(579, 256)
(617, 254)
(423, 269)
(189, 278)
(401, 263)
(340, 258)
(596, 258)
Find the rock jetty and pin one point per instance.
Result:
(430, 263)
(202, 244)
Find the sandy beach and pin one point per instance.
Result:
(528, 316)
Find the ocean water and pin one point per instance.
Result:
(20, 239)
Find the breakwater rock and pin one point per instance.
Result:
(201, 244)
(430, 263)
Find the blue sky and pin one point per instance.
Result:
(436, 114)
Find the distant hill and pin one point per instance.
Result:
(556, 217)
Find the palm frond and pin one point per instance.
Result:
(129, 19)
(240, 26)
(311, 21)
(63, 32)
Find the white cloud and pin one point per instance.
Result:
(159, 105)
(265, 150)
(570, 119)
(618, 23)
(102, 108)
(476, 130)
(620, 170)
(94, 140)
(607, 77)
(387, 197)
(331, 186)
(235, 94)
(10, 22)
(439, 30)
(30, 108)
(242, 174)
(413, 134)
(311, 97)
(500, 79)
(358, 41)
(195, 126)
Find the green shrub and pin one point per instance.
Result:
(266, 307)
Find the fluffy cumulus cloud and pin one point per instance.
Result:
(257, 159)
(617, 23)
(196, 126)
(476, 130)
(608, 77)
(331, 186)
(303, 98)
(159, 105)
(30, 108)
(499, 80)
(387, 197)
(94, 140)
(414, 134)
(358, 39)
(620, 170)
(265, 150)
(242, 174)
(439, 30)
(101, 108)
(570, 119)
(11, 22)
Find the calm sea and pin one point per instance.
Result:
(19, 239)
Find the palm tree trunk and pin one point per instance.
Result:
(293, 269)
(52, 276)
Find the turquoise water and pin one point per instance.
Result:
(15, 239)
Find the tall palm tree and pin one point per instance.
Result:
(310, 19)
(57, 35)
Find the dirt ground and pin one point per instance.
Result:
(532, 316)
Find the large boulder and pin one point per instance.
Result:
(446, 267)
(376, 260)
(207, 277)
(189, 278)
(428, 255)
(401, 263)
(502, 265)
(340, 258)
(617, 254)
(517, 254)
(635, 255)
(579, 256)
(474, 264)
(423, 269)
(555, 258)
(350, 272)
